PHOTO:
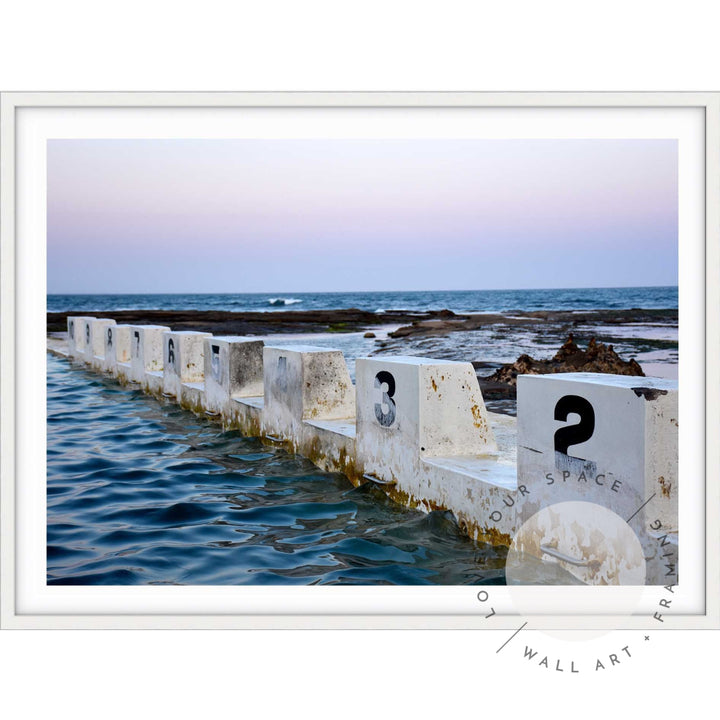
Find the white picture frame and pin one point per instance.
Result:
(24, 126)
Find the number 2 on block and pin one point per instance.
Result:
(571, 435)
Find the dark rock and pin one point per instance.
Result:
(598, 358)
(369, 335)
(221, 322)
(649, 393)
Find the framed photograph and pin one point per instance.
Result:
(360, 360)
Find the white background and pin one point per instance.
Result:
(351, 46)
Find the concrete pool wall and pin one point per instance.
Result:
(419, 428)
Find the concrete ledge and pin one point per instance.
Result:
(245, 414)
(330, 444)
(153, 382)
(192, 397)
(480, 491)
(123, 371)
(58, 347)
(345, 428)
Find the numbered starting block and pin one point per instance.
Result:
(422, 427)
(76, 334)
(116, 354)
(233, 371)
(608, 441)
(146, 356)
(309, 402)
(94, 353)
(184, 367)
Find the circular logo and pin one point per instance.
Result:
(571, 543)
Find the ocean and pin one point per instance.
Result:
(459, 301)
(141, 492)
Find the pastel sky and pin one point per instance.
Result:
(138, 216)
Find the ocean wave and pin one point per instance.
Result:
(283, 301)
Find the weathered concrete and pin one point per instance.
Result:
(116, 360)
(77, 329)
(245, 414)
(183, 359)
(301, 383)
(192, 397)
(146, 349)
(233, 369)
(304, 386)
(94, 352)
(607, 440)
(422, 427)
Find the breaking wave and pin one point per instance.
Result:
(283, 301)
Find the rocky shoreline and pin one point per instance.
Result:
(432, 323)
(462, 323)
(260, 323)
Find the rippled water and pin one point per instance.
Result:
(141, 492)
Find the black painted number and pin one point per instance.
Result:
(171, 352)
(109, 342)
(215, 361)
(571, 435)
(386, 419)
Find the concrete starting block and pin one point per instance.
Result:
(76, 331)
(94, 353)
(184, 367)
(117, 351)
(422, 427)
(233, 371)
(309, 402)
(146, 356)
(610, 441)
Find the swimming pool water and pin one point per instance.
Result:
(142, 492)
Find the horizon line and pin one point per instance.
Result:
(340, 292)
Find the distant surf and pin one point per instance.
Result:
(459, 301)
(277, 302)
